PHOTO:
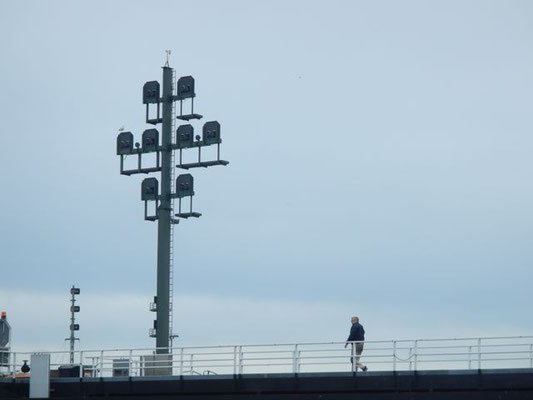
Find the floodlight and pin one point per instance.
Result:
(186, 87)
(184, 136)
(211, 132)
(151, 92)
(184, 186)
(149, 189)
(150, 140)
(124, 143)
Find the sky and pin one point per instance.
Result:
(380, 165)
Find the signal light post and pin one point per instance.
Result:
(74, 291)
(162, 193)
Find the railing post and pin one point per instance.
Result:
(130, 363)
(394, 355)
(14, 365)
(531, 356)
(181, 361)
(295, 359)
(469, 357)
(410, 355)
(479, 353)
(352, 357)
(241, 361)
(81, 364)
(192, 360)
(101, 363)
(416, 355)
(234, 360)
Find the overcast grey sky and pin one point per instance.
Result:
(380, 165)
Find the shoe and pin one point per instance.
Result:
(364, 368)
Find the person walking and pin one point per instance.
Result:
(357, 334)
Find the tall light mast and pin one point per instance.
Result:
(163, 192)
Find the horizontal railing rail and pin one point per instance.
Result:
(380, 355)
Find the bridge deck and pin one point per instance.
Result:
(458, 384)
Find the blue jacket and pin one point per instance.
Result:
(357, 333)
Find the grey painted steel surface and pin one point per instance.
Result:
(40, 376)
(5, 332)
(164, 220)
(163, 146)
(5, 337)
(73, 326)
(461, 385)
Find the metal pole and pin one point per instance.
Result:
(72, 320)
(164, 218)
(163, 197)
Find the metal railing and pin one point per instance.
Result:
(384, 355)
